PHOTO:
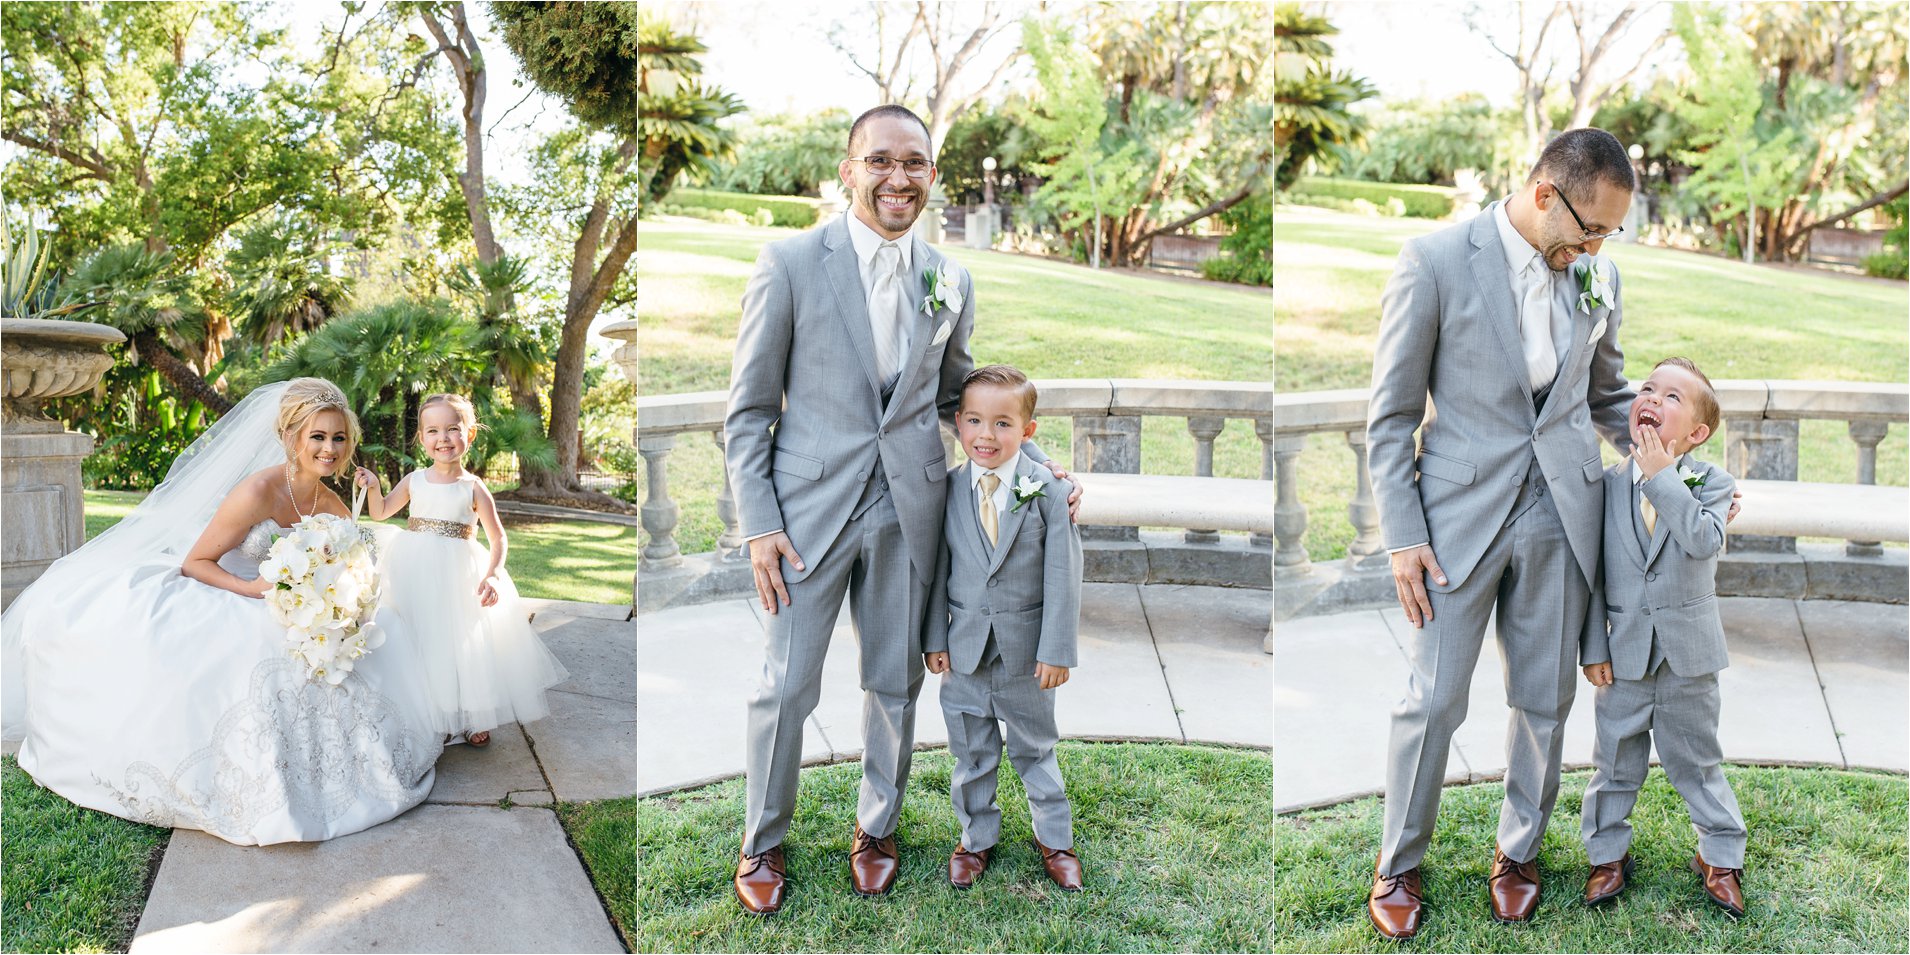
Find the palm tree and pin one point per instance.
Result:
(142, 298)
(677, 115)
(1312, 116)
(517, 356)
(281, 283)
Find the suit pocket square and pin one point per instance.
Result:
(941, 334)
(1598, 332)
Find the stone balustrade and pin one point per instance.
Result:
(1106, 417)
(1760, 431)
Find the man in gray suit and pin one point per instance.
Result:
(846, 359)
(1488, 323)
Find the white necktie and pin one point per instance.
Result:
(885, 313)
(1535, 325)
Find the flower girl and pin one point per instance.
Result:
(486, 665)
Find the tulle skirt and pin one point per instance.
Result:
(485, 666)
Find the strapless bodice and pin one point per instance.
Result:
(244, 560)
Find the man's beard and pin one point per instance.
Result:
(892, 221)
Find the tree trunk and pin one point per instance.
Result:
(186, 382)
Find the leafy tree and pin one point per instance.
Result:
(282, 280)
(678, 117)
(1422, 142)
(999, 131)
(1313, 119)
(787, 155)
(947, 37)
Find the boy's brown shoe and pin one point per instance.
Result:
(872, 863)
(1607, 879)
(964, 867)
(1514, 887)
(1063, 866)
(1724, 886)
(759, 881)
(1393, 905)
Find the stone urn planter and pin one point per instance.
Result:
(39, 459)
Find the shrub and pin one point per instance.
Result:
(795, 212)
(762, 217)
(1244, 270)
(1247, 251)
(1887, 265)
(1424, 202)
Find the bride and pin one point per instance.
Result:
(146, 678)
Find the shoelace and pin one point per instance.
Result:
(1395, 883)
(866, 842)
(761, 859)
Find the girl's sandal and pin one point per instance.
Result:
(478, 740)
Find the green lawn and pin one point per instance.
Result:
(1824, 873)
(1734, 320)
(1050, 319)
(1175, 843)
(559, 560)
(75, 880)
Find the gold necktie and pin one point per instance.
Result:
(1651, 513)
(991, 521)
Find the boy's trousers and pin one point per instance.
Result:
(976, 705)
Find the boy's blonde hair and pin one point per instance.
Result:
(305, 397)
(1004, 376)
(1705, 401)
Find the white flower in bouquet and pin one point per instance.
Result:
(325, 592)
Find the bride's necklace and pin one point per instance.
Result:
(316, 487)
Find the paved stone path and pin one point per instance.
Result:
(1156, 662)
(1813, 682)
(482, 866)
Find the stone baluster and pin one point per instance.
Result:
(729, 544)
(1368, 550)
(1263, 429)
(659, 512)
(1867, 434)
(1763, 449)
(1205, 429)
(1289, 515)
(1108, 444)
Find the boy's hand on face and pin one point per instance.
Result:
(1050, 676)
(1650, 451)
(936, 662)
(1599, 674)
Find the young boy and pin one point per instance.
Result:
(1002, 613)
(1656, 669)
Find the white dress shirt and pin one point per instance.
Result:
(1532, 286)
(1005, 472)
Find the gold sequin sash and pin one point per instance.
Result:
(453, 529)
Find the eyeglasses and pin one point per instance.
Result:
(884, 165)
(1585, 232)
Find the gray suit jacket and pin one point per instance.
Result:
(1026, 589)
(1449, 337)
(807, 424)
(1666, 584)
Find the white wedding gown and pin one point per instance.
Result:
(171, 702)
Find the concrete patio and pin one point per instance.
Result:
(1811, 682)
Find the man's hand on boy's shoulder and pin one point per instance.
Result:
(1074, 489)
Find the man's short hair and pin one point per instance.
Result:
(892, 110)
(1576, 159)
(1705, 401)
(1004, 376)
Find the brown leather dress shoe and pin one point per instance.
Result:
(759, 881)
(964, 867)
(1607, 879)
(1724, 886)
(1514, 888)
(1393, 906)
(1063, 866)
(872, 863)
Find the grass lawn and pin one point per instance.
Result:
(559, 560)
(1734, 320)
(605, 834)
(1824, 873)
(1050, 319)
(75, 880)
(1174, 841)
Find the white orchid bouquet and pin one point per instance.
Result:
(325, 590)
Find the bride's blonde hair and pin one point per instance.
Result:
(305, 397)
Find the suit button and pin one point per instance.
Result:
(993, 583)
(1652, 576)
(1517, 480)
(986, 611)
(1540, 492)
(1647, 611)
(862, 475)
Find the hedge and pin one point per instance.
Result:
(794, 211)
(1425, 202)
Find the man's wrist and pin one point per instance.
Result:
(757, 537)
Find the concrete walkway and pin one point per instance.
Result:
(1156, 662)
(482, 866)
(1811, 682)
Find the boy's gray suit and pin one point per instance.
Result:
(1507, 490)
(1008, 606)
(1666, 646)
(854, 477)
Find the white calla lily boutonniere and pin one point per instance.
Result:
(944, 288)
(1026, 489)
(1690, 477)
(1594, 283)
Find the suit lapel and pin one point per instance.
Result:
(919, 323)
(852, 301)
(1495, 288)
(1011, 519)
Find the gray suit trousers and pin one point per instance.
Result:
(1682, 715)
(870, 563)
(976, 706)
(1529, 575)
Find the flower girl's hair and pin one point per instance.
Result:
(467, 415)
(305, 397)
